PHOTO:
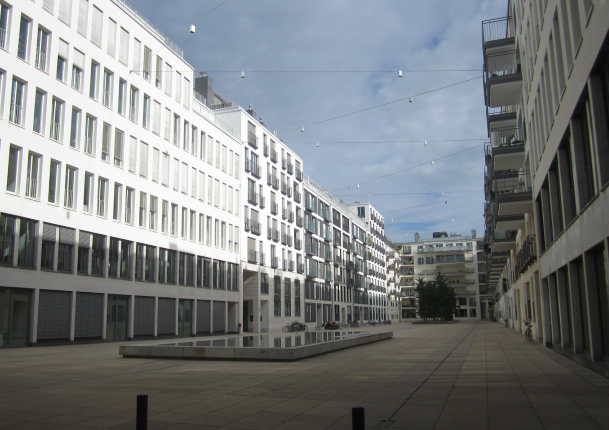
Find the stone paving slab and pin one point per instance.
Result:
(457, 376)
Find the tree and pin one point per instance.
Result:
(436, 299)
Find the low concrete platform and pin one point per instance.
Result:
(318, 343)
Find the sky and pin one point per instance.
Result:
(360, 37)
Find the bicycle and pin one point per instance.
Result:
(506, 322)
(528, 333)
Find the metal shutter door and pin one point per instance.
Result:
(144, 316)
(219, 317)
(54, 315)
(88, 321)
(167, 316)
(203, 316)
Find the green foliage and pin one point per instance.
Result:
(436, 299)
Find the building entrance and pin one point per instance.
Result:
(117, 317)
(184, 317)
(14, 317)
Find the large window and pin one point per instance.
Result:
(296, 298)
(65, 249)
(287, 296)
(24, 35)
(7, 238)
(33, 171)
(17, 99)
(310, 312)
(70, 188)
(39, 111)
(42, 47)
(277, 297)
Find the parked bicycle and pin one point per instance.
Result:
(373, 323)
(528, 333)
(332, 325)
(294, 326)
(354, 324)
(506, 322)
(386, 321)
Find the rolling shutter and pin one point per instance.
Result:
(111, 49)
(49, 232)
(83, 16)
(144, 316)
(203, 316)
(89, 314)
(49, 5)
(79, 59)
(65, 11)
(97, 22)
(219, 317)
(54, 315)
(63, 49)
(66, 235)
(124, 47)
(167, 317)
(132, 154)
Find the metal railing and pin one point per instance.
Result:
(274, 262)
(31, 188)
(505, 235)
(256, 170)
(290, 168)
(275, 182)
(199, 97)
(310, 204)
(526, 256)
(255, 227)
(311, 226)
(311, 248)
(273, 155)
(252, 140)
(512, 182)
(55, 131)
(274, 208)
(252, 197)
(41, 60)
(252, 256)
(497, 29)
(501, 64)
(299, 174)
(492, 112)
(2, 38)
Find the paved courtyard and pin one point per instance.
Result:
(459, 376)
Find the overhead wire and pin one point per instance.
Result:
(381, 105)
(384, 141)
(431, 204)
(408, 168)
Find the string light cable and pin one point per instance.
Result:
(408, 168)
(434, 203)
(382, 104)
(384, 141)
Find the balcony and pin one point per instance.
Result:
(327, 215)
(311, 272)
(298, 244)
(328, 255)
(269, 179)
(300, 268)
(266, 149)
(252, 198)
(311, 226)
(501, 117)
(297, 197)
(290, 168)
(504, 240)
(252, 140)
(526, 256)
(274, 208)
(502, 78)
(328, 276)
(509, 222)
(299, 221)
(513, 193)
(311, 249)
(274, 262)
(310, 204)
(256, 170)
(338, 278)
(273, 155)
(507, 146)
(255, 227)
(327, 235)
(338, 260)
(299, 174)
(275, 182)
(252, 256)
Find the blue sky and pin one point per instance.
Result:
(357, 35)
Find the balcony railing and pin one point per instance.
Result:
(275, 182)
(256, 170)
(284, 213)
(276, 235)
(290, 216)
(252, 256)
(328, 255)
(297, 197)
(310, 248)
(507, 140)
(273, 155)
(274, 208)
(289, 240)
(497, 29)
(299, 174)
(269, 179)
(291, 266)
(311, 271)
(266, 149)
(299, 221)
(283, 163)
(290, 168)
(300, 268)
(505, 235)
(274, 262)
(327, 235)
(252, 197)
(328, 275)
(255, 227)
(526, 256)
(284, 187)
(289, 191)
(310, 204)
(298, 244)
(262, 255)
(252, 140)
(284, 265)
(512, 183)
(311, 226)
(284, 239)
(262, 202)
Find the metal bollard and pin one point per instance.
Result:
(141, 420)
(358, 420)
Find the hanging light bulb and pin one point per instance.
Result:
(410, 99)
(442, 192)
(445, 202)
(400, 74)
(425, 143)
(357, 185)
(318, 144)
(432, 163)
(242, 74)
(301, 129)
(192, 28)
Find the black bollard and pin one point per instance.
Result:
(357, 418)
(141, 420)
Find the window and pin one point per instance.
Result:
(156, 154)
(14, 170)
(277, 297)
(147, 63)
(167, 133)
(84, 244)
(70, 188)
(39, 111)
(217, 193)
(83, 16)
(53, 182)
(146, 112)
(24, 34)
(7, 239)
(296, 298)
(123, 54)
(98, 255)
(49, 238)
(33, 171)
(176, 130)
(142, 211)
(102, 192)
(129, 200)
(210, 184)
(62, 61)
(136, 59)
(122, 94)
(164, 208)
(4, 11)
(108, 87)
(152, 216)
(184, 181)
(65, 249)
(90, 131)
(216, 233)
(193, 183)
(176, 174)
(78, 68)
(168, 81)
(288, 297)
(119, 138)
(156, 123)
(74, 126)
(174, 220)
(105, 149)
(178, 87)
(17, 99)
(143, 160)
(133, 103)
(184, 223)
(158, 80)
(111, 48)
(118, 195)
(165, 180)
(94, 80)
(26, 241)
(132, 154)
(193, 225)
(217, 154)
(185, 143)
(87, 193)
(42, 48)
(125, 259)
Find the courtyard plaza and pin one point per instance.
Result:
(458, 376)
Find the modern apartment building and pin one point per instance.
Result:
(460, 259)
(120, 215)
(547, 96)
(272, 255)
(394, 292)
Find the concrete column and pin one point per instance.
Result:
(72, 316)
(175, 325)
(131, 328)
(563, 307)
(554, 309)
(594, 317)
(545, 310)
(194, 317)
(576, 314)
(104, 316)
(211, 316)
(156, 316)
